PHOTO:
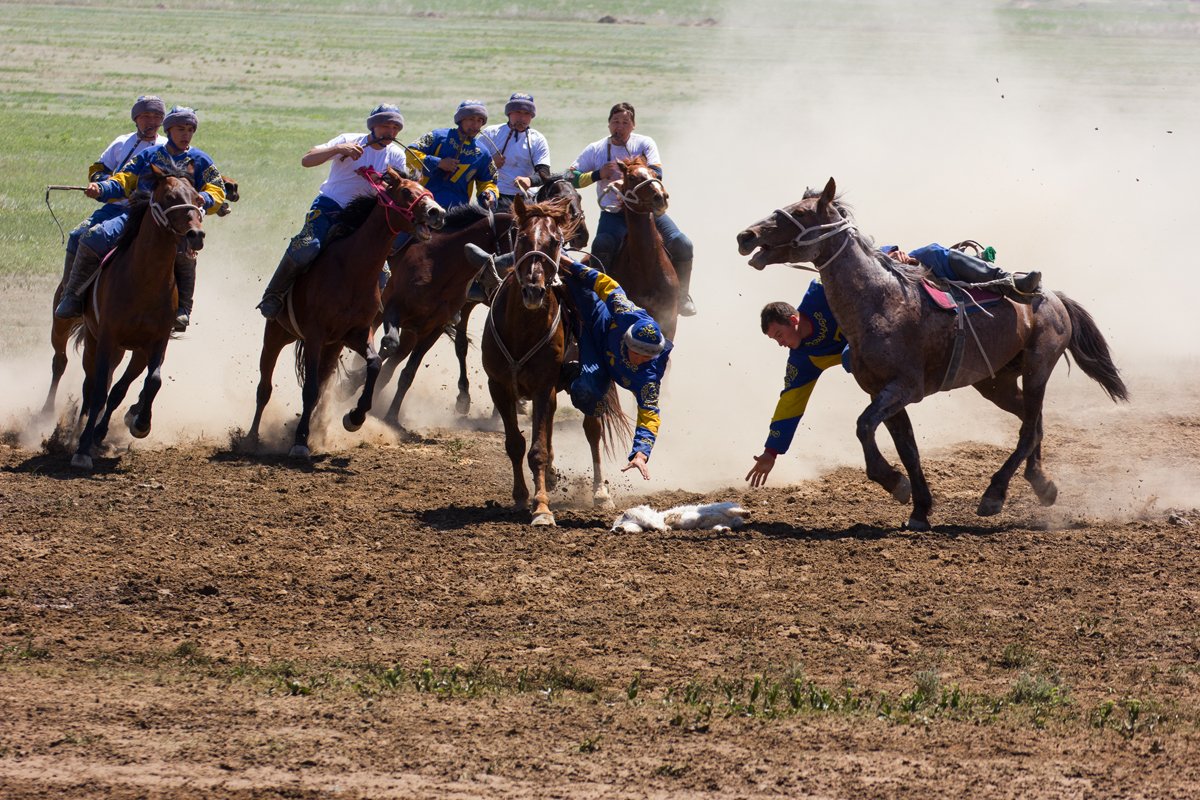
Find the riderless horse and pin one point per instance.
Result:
(902, 348)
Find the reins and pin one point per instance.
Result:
(514, 365)
(372, 176)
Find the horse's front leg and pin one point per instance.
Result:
(541, 453)
(505, 401)
(389, 343)
(360, 342)
(139, 426)
(137, 363)
(275, 338)
(60, 333)
(98, 364)
(593, 429)
(884, 405)
(310, 393)
(462, 403)
(409, 373)
(900, 426)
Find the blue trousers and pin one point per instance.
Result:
(322, 215)
(102, 214)
(611, 230)
(590, 388)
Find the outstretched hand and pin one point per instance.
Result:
(762, 468)
(639, 461)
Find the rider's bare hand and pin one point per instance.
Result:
(762, 468)
(521, 182)
(92, 190)
(638, 461)
(349, 150)
(610, 171)
(448, 164)
(498, 159)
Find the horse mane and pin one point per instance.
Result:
(462, 216)
(908, 273)
(559, 210)
(353, 216)
(635, 161)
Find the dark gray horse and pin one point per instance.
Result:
(902, 349)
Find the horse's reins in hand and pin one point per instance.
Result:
(57, 187)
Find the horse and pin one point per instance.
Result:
(902, 349)
(133, 304)
(428, 287)
(524, 343)
(642, 265)
(334, 304)
(557, 186)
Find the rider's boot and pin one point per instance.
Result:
(185, 284)
(1029, 283)
(686, 307)
(71, 304)
(480, 260)
(567, 374)
(285, 275)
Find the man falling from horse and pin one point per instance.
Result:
(147, 114)
(619, 342)
(180, 125)
(597, 164)
(346, 153)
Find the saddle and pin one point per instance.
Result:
(974, 299)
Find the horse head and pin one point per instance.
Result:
(796, 233)
(414, 204)
(558, 186)
(641, 190)
(175, 205)
(542, 229)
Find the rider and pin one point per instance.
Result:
(815, 343)
(620, 342)
(952, 264)
(347, 152)
(147, 114)
(456, 168)
(597, 164)
(520, 153)
(180, 125)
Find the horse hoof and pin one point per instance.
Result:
(902, 491)
(915, 524)
(603, 501)
(989, 506)
(138, 433)
(463, 405)
(299, 451)
(349, 424)
(1048, 494)
(388, 346)
(82, 461)
(545, 518)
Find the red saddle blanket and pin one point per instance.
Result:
(944, 301)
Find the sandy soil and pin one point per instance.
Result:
(194, 622)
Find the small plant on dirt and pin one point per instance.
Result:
(671, 770)
(1127, 717)
(635, 685)
(590, 744)
(455, 448)
(1017, 655)
(190, 653)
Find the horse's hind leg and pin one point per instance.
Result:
(409, 373)
(138, 418)
(593, 429)
(462, 403)
(900, 426)
(1028, 443)
(310, 393)
(97, 361)
(275, 338)
(60, 334)
(885, 405)
(1005, 392)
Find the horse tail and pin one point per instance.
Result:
(614, 425)
(78, 334)
(1090, 350)
(300, 361)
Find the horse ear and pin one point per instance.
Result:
(390, 178)
(828, 194)
(157, 170)
(519, 207)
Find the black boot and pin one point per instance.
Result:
(567, 374)
(684, 271)
(71, 304)
(285, 275)
(974, 270)
(185, 284)
(1029, 283)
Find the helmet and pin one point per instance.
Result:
(180, 115)
(520, 102)
(385, 112)
(470, 108)
(147, 104)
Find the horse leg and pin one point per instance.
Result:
(593, 429)
(900, 427)
(462, 403)
(360, 342)
(137, 363)
(1028, 442)
(514, 441)
(98, 378)
(389, 344)
(1005, 392)
(275, 338)
(884, 406)
(541, 454)
(60, 333)
(310, 393)
(139, 425)
(409, 373)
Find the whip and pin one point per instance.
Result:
(55, 187)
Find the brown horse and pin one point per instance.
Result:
(556, 187)
(132, 307)
(523, 346)
(428, 287)
(902, 349)
(334, 304)
(642, 265)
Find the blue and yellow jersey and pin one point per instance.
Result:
(609, 319)
(821, 350)
(205, 176)
(475, 175)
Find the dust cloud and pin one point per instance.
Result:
(937, 126)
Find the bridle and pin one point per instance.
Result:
(824, 231)
(408, 212)
(630, 196)
(159, 212)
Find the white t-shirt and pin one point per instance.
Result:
(123, 150)
(597, 154)
(522, 152)
(343, 183)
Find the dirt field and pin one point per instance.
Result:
(191, 622)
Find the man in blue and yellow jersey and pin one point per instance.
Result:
(815, 343)
(619, 342)
(180, 125)
(455, 166)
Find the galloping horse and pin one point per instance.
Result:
(642, 265)
(334, 304)
(133, 305)
(523, 346)
(429, 285)
(556, 187)
(902, 349)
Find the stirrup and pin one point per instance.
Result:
(686, 307)
(182, 320)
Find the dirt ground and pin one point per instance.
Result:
(193, 622)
